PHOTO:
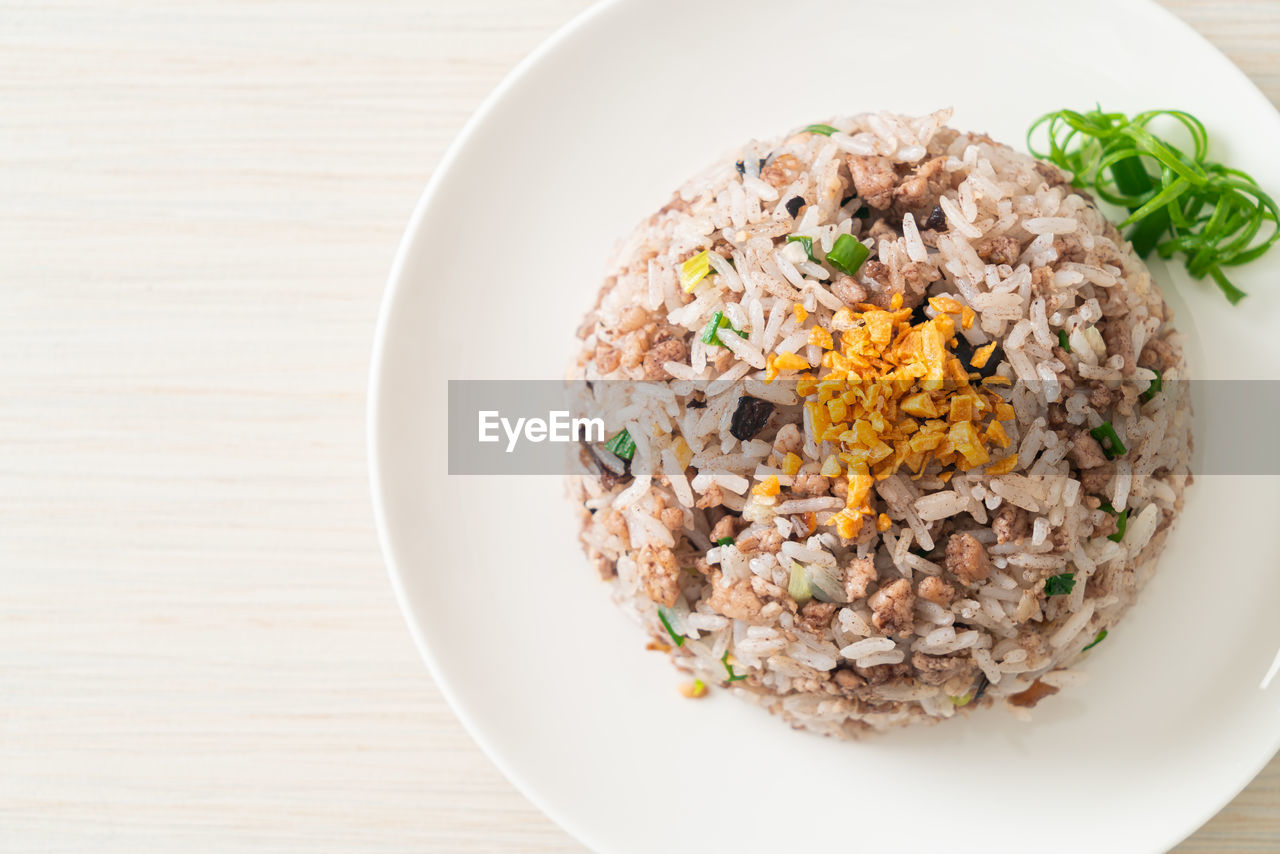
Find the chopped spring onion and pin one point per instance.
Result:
(847, 254)
(1108, 439)
(816, 581)
(806, 242)
(711, 332)
(1059, 585)
(826, 582)
(1122, 519)
(678, 640)
(798, 586)
(962, 700)
(1062, 340)
(724, 541)
(825, 130)
(695, 270)
(1157, 386)
(1099, 638)
(733, 677)
(621, 445)
(1179, 202)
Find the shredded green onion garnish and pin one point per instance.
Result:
(1108, 439)
(825, 130)
(1062, 340)
(806, 242)
(1059, 585)
(1157, 385)
(1099, 638)
(710, 333)
(678, 640)
(733, 677)
(724, 541)
(1179, 202)
(962, 700)
(695, 270)
(621, 445)
(847, 254)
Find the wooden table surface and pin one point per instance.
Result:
(199, 649)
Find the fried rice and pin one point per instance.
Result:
(896, 430)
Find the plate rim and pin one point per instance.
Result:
(373, 401)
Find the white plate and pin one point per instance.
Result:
(503, 256)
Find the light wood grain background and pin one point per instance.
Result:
(199, 202)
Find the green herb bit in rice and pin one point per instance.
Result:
(815, 581)
(1157, 385)
(798, 585)
(695, 270)
(711, 333)
(1122, 520)
(825, 130)
(847, 254)
(805, 242)
(1060, 585)
(1108, 439)
(678, 640)
(1062, 340)
(728, 666)
(621, 445)
(724, 541)
(1179, 202)
(962, 700)
(1099, 638)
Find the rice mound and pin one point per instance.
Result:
(818, 540)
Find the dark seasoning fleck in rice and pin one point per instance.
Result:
(870, 519)
(749, 418)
